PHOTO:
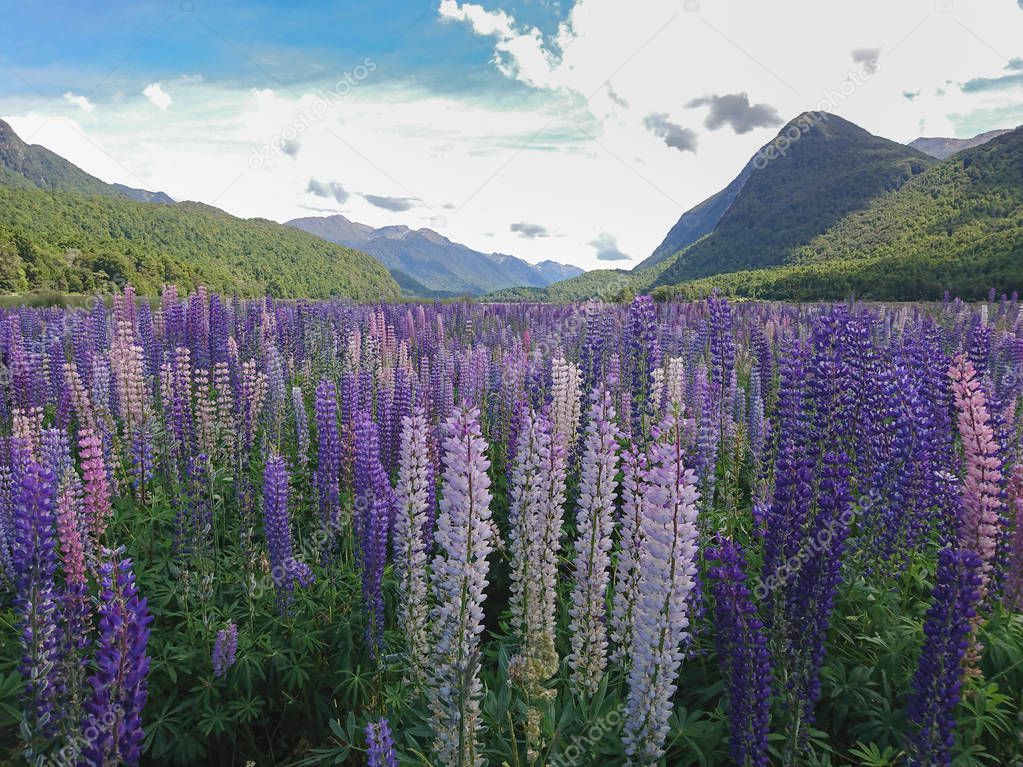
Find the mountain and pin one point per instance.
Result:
(943, 148)
(955, 225)
(62, 229)
(958, 227)
(800, 188)
(699, 221)
(30, 165)
(432, 259)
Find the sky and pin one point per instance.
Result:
(572, 131)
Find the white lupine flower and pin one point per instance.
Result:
(566, 394)
(553, 468)
(409, 540)
(675, 383)
(534, 541)
(626, 585)
(459, 576)
(525, 498)
(595, 523)
(667, 572)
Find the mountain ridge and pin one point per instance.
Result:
(433, 260)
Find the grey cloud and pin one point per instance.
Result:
(327, 189)
(290, 148)
(734, 109)
(530, 231)
(390, 203)
(867, 57)
(675, 136)
(613, 95)
(607, 248)
(1015, 65)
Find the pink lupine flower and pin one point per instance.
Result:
(978, 528)
(97, 487)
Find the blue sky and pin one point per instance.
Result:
(100, 47)
(577, 132)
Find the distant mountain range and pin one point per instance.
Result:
(434, 261)
(65, 230)
(840, 211)
(943, 148)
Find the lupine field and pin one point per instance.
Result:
(293, 533)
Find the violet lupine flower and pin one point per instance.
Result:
(667, 577)
(113, 713)
(743, 656)
(7, 502)
(595, 523)
(459, 577)
(979, 524)
(36, 604)
(410, 542)
(642, 356)
(328, 467)
(380, 745)
(937, 681)
(630, 535)
(225, 647)
(374, 509)
(284, 569)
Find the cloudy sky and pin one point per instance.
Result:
(577, 132)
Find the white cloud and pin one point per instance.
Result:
(157, 95)
(81, 102)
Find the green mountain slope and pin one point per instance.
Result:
(29, 166)
(65, 230)
(831, 170)
(957, 227)
(971, 198)
(81, 243)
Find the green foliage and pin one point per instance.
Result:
(80, 244)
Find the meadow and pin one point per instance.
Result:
(686, 533)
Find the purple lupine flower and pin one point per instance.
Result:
(277, 523)
(328, 466)
(224, 649)
(380, 745)
(301, 425)
(666, 580)
(743, 656)
(459, 577)
(595, 522)
(937, 681)
(36, 604)
(113, 731)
